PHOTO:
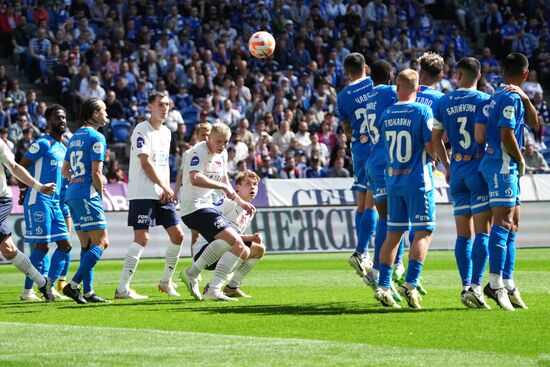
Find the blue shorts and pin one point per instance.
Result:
(44, 222)
(5, 211)
(503, 189)
(360, 180)
(377, 183)
(65, 209)
(469, 194)
(147, 213)
(413, 210)
(207, 221)
(88, 214)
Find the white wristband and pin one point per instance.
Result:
(37, 186)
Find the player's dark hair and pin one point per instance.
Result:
(153, 96)
(51, 109)
(515, 64)
(380, 72)
(87, 109)
(470, 67)
(354, 63)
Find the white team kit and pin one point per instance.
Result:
(156, 144)
(212, 165)
(237, 216)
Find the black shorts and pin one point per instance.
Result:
(213, 266)
(5, 211)
(147, 213)
(207, 221)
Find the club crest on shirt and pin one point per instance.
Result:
(508, 112)
(140, 142)
(194, 161)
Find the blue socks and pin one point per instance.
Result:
(463, 255)
(358, 216)
(400, 250)
(379, 238)
(88, 260)
(497, 249)
(510, 262)
(38, 261)
(385, 275)
(480, 255)
(366, 231)
(59, 259)
(65, 269)
(413, 272)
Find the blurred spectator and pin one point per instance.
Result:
(303, 135)
(315, 170)
(290, 170)
(321, 148)
(283, 136)
(23, 144)
(17, 95)
(534, 161)
(326, 135)
(338, 169)
(115, 174)
(542, 108)
(93, 89)
(267, 170)
(115, 110)
(229, 115)
(39, 50)
(532, 86)
(173, 118)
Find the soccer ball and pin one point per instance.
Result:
(261, 45)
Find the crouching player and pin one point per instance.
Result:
(246, 186)
(407, 131)
(206, 172)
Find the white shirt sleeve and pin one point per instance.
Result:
(197, 159)
(6, 156)
(141, 141)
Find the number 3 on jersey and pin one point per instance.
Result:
(367, 126)
(399, 141)
(76, 165)
(466, 140)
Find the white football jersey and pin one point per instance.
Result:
(212, 165)
(156, 144)
(6, 159)
(237, 217)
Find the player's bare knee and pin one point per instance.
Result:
(42, 247)
(257, 251)
(177, 238)
(8, 250)
(141, 238)
(64, 246)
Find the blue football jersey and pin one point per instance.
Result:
(350, 107)
(428, 96)
(85, 146)
(457, 113)
(378, 101)
(47, 155)
(406, 127)
(505, 110)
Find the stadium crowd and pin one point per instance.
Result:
(282, 109)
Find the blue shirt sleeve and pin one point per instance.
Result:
(37, 149)
(98, 148)
(340, 110)
(427, 124)
(482, 111)
(509, 108)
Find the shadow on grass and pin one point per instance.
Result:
(332, 308)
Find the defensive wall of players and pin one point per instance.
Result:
(306, 215)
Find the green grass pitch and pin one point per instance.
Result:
(306, 310)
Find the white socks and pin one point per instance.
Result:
(170, 262)
(209, 256)
(241, 272)
(226, 265)
(23, 263)
(130, 264)
(509, 284)
(495, 280)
